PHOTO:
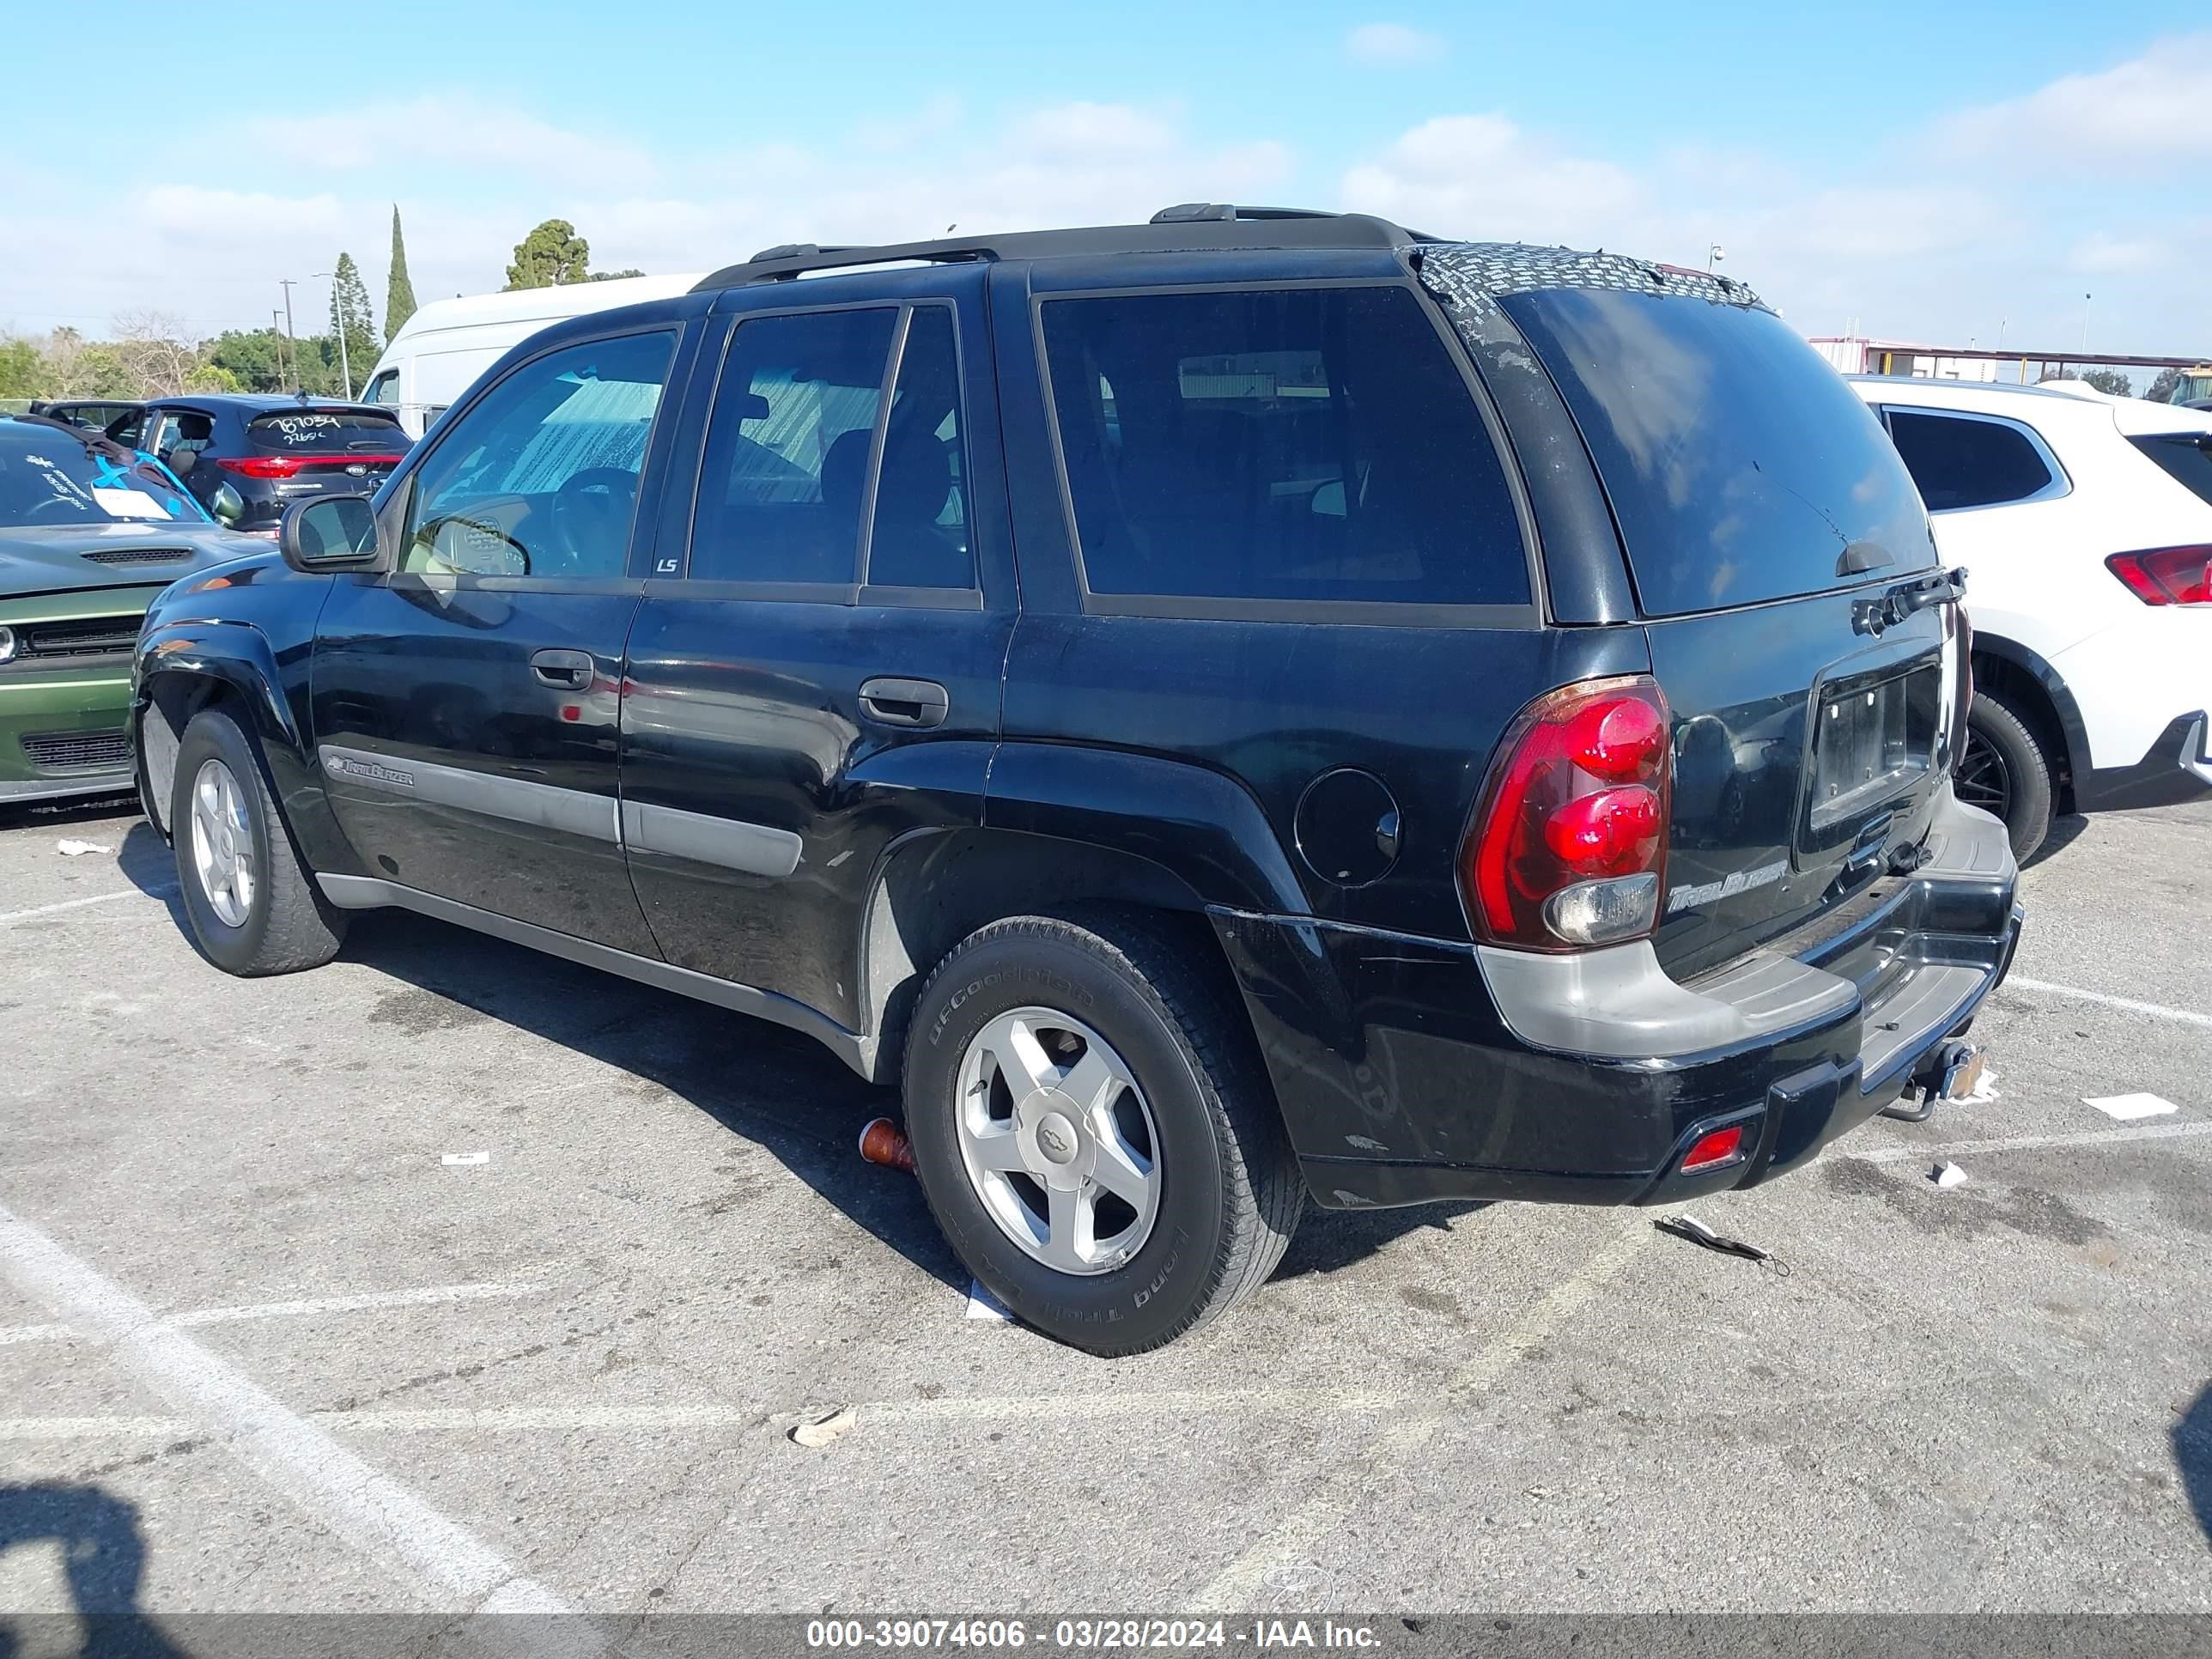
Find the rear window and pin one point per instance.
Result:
(1300, 444)
(325, 432)
(1740, 466)
(2187, 456)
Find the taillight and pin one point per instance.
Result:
(2167, 575)
(1570, 842)
(1963, 704)
(290, 466)
(1716, 1151)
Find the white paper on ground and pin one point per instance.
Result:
(129, 503)
(982, 1304)
(77, 849)
(2124, 1107)
(1948, 1175)
(465, 1157)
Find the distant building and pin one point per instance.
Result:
(1856, 354)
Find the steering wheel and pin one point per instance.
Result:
(589, 520)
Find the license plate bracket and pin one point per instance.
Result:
(1874, 741)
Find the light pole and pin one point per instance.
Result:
(345, 364)
(2084, 325)
(1714, 254)
(286, 282)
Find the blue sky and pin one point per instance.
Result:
(1926, 169)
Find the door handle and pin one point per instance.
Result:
(904, 702)
(569, 670)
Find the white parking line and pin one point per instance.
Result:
(375, 1513)
(1932, 1149)
(1294, 1538)
(429, 1296)
(2156, 1010)
(166, 890)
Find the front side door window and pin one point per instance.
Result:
(540, 478)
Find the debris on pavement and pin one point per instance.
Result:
(2128, 1107)
(883, 1142)
(982, 1304)
(819, 1431)
(77, 849)
(1689, 1227)
(1947, 1175)
(454, 1159)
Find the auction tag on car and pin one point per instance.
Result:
(129, 503)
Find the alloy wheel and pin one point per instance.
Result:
(223, 844)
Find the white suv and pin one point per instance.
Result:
(2085, 525)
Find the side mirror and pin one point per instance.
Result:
(330, 532)
(228, 507)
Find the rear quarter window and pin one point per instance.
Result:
(1277, 445)
(2186, 456)
(1962, 461)
(325, 432)
(1740, 466)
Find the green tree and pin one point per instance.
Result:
(256, 358)
(22, 369)
(611, 276)
(350, 314)
(2112, 380)
(399, 287)
(2162, 389)
(550, 257)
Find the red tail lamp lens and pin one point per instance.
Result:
(1714, 1151)
(1579, 792)
(2167, 575)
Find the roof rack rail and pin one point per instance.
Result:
(1189, 228)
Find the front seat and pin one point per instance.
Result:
(909, 548)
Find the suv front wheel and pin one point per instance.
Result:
(1093, 1131)
(252, 906)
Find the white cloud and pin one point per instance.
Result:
(2099, 252)
(1480, 176)
(2146, 115)
(1393, 43)
(457, 131)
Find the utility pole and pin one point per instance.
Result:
(286, 284)
(345, 364)
(275, 329)
(2084, 325)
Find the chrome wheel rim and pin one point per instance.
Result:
(1983, 779)
(1058, 1141)
(223, 844)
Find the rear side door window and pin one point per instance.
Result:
(540, 478)
(1961, 461)
(1246, 449)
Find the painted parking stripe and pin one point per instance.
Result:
(429, 1296)
(2156, 1010)
(1927, 1149)
(367, 1509)
(166, 890)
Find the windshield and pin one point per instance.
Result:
(1740, 466)
(325, 432)
(49, 477)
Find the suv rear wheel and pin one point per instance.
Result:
(252, 906)
(2005, 773)
(1093, 1131)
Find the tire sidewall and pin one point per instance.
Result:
(216, 737)
(2004, 731)
(1156, 1290)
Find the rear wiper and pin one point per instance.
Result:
(1938, 588)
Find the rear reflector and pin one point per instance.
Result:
(2167, 575)
(1716, 1151)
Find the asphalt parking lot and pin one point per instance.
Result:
(451, 1275)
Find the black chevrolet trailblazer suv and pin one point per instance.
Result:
(1255, 706)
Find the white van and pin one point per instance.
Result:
(440, 350)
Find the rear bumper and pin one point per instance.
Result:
(2177, 768)
(1412, 1070)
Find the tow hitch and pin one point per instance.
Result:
(1953, 1071)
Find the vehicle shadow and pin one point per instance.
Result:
(2192, 1455)
(66, 814)
(774, 1088)
(2065, 829)
(103, 1554)
(148, 864)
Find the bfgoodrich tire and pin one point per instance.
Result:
(252, 906)
(2004, 771)
(1093, 1130)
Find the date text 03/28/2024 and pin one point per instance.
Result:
(1089, 1634)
